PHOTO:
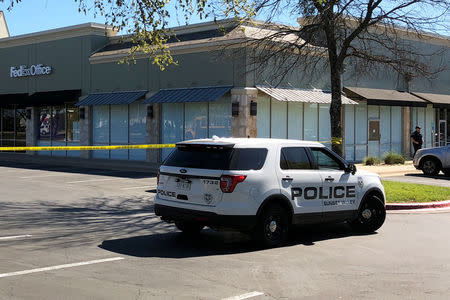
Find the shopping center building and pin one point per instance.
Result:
(66, 87)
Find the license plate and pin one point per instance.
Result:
(185, 186)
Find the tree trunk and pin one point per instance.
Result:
(335, 107)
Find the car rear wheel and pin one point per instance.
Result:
(273, 226)
(191, 228)
(430, 167)
(371, 215)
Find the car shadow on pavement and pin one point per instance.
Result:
(209, 242)
(78, 170)
(439, 176)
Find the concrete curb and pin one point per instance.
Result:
(403, 206)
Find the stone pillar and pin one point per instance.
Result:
(244, 125)
(406, 131)
(86, 131)
(32, 128)
(154, 134)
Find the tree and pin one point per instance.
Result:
(365, 34)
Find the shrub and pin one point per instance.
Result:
(371, 160)
(393, 158)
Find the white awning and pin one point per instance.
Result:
(301, 95)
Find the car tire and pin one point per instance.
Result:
(190, 228)
(371, 215)
(273, 226)
(430, 167)
(447, 173)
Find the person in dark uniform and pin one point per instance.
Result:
(416, 139)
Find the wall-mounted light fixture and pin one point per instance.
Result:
(82, 113)
(235, 109)
(253, 108)
(150, 111)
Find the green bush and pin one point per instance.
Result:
(393, 158)
(371, 160)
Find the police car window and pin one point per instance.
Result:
(248, 159)
(217, 159)
(325, 160)
(294, 158)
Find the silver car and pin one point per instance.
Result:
(433, 160)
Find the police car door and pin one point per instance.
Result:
(300, 183)
(340, 188)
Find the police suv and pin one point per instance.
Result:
(262, 186)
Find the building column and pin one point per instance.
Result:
(153, 132)
(86, 131)
(406, 131)
(244, 125)
(32, 128)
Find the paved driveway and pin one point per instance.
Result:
(89, 234)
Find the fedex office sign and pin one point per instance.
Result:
(33, 70)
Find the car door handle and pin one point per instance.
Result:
(329, 178)
(288, 178)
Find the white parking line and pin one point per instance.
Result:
(139, 187)
(3, 238)
(90, 180)
(245, 296)
(24, 272)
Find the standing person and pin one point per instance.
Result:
(416, 139)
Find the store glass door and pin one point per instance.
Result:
(13, 127)
(20, 138)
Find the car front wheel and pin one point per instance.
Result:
(371, 215)
(430, 167)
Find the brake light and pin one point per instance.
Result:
(157, 178)
(229, 182)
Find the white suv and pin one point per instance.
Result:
(262, 186)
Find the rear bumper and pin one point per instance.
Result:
(172, 214)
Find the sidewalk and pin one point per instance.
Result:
(391, 170)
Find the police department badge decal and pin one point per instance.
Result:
(208, 198)
(360, 182)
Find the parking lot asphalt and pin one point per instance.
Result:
(68, 233)
(438, 180)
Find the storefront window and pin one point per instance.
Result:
(44, 123)
(196, 121)
(8, 127)
(100, 120)
(138, 113)
(172, 125)
(119, 125)
(325, 125)
(360, 131)
(185, 121)
(295, 120)
(220, 118)
(311, 122)
(279, 119)
(119, 130)
(21, 128)
(263, 117)
(73, 124)
(58, 126)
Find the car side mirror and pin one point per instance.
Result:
(351, 168)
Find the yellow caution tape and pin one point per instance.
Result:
(77, 148)
(337, 141)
